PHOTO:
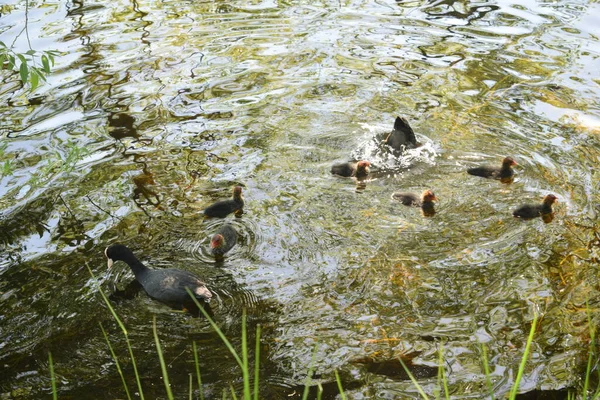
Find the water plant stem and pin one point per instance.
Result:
(116, 360)
(245, 371)
(515, 388)
(198, 376)
(52, 377)
(122, 326)
(257, 361)
(161, 359)
(339, 384)
(442, 372)
(486, 369)
(413, 380)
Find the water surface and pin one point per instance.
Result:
(154, 110)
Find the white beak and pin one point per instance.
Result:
(110, 261)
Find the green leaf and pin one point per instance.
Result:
(11, 62)
(46, 64)
(2, 43)
(22, 58)
(30, 52)
(34, 79)
(2, 57)
(51, 58)
(40, 73)
(24, 71)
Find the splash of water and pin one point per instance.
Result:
(383, 158)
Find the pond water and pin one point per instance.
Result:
(156, 109)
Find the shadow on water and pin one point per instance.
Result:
(561, 394)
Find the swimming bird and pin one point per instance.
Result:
(529, 211)
(411, 199)
(223, 208)
(504, 173)
(166, 285)
(222, 241)
(402, 137)
(359, 170)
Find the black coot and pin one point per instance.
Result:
(504, 173)
(529, 211)
(402, 136)
(411, 199)
(223, 208)
(359, 170)
(165, 285)
(225, 238)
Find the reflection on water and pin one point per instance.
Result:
(154, 111)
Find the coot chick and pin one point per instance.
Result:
(402, 136)
(504, 173)
(529, 211)
(223, 241)
(411, 199)
(165, 285)
(359, 170)
(223, 208)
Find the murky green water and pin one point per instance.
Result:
(156, 109)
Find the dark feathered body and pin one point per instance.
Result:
(165, 285)
(402, 136)
(425, 201)
(528, 211)
(224, 240)
(503, 172)
(408, 199)
(168, 286)
(359, 170)
(223, 208)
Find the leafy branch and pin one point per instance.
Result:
(26, 65)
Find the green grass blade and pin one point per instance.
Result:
(319, 391)
(122, 326)
(116, 360)
(443, 372)
(217, 329)
(257, 361)
(191, 386)
(486, 368)
(198, 377)
(233, 396)
(339, 385)
(52, 377)
(309, 374)
(515, 388)
(245, 369)
(414, 381)
(163, 366)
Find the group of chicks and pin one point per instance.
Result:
(173, 286)
(170, 285)
(402, 137)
